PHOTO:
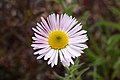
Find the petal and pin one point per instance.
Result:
(41, 27)
(39, 45)
(42, 32)
(65, 63)
(56, 58)
(61, 17)
(52, 58)
(41, 42)
(52, 64)
(58, 22)
(49, 54)
(39, 57)
(36, 30)
(46, 49)
(72, 55)
(77, 33)
(73, 52)
(40, 37)
(61, 55)
(79, 49)
(75, 29)
(65, 22)
(79, 39)
(46, 25)
(67, 55)
(52, 22)
(63, 60)
(34, 38)
(82, 46)
(73, 23)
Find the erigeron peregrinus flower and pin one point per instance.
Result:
(59, 36)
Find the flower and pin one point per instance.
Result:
(59, 36)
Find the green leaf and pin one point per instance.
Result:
(96, 75)
(117, 1)
(117, 64)
(59, 1)
(114, 40)
(84, 18)
(97, 48)
(115, 10)
(99, 61)
(116, 67)
(104, 23)
(81, 73)
(90, 55)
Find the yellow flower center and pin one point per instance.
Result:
(58, 39)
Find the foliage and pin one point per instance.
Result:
(74, 72)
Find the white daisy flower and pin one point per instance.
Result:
(59, 36)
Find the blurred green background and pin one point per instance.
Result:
(101, 18)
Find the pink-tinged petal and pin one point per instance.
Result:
(72, 55)
(39, 45)
(52, 22)
(42, 32)
(44, 50)
(51, 60)
(52, 57)
(40, 37)
(82, 46)
(40, 42)
(78, 33)
(49, 54)
(73, 23)
(79, 49)
(79, 39)
(34, 38)
(36, 30)
(46, 25)
(49, 23)
(61, 55)
(73, 51)
(41, 27)
(66, 63)
(52, 64)
(41, 56)
(71, 61)
(66, 54)
(61, 17)
(56, 58)
(58, 22)
(64, 20)
(75, 29)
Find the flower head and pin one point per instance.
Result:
(59, 36)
